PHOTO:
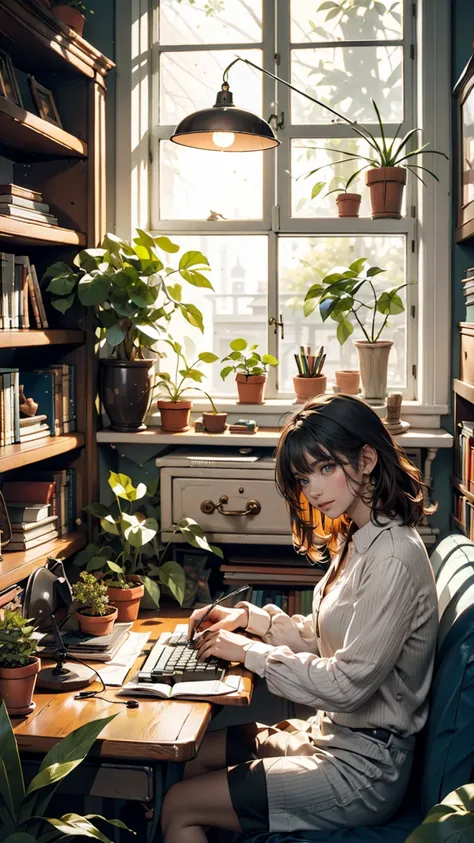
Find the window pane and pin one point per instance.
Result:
(236, 308)
(196, 184)
(349, 20)
(190, 81)
(346, 78)
(303, 261)
(210, 21)
(307, 155)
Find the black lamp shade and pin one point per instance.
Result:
(252, 133)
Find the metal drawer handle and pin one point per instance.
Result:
(253, 507)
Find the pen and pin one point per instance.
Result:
(215, 603)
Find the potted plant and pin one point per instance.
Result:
(450, 821)
(310, 380)
(214, 422)
(387, 162)
(134, 561)
(348, 204)
(348, 381)
(23, 810)
(71, 12)
(339, 296)
(250, 370)
(19, 664)
(129, 288)
(95, 615)
(175, 410)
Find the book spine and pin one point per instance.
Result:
(39, 298)
(33, 299)
(16, 407)
(72, 398)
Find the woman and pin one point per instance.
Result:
(363, 659)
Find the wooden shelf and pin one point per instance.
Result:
(464, 389)
(30, 338)
(35, 233)
(17, 456)
(24, 132)
(455, 522)
(456, 483)
(17, 565)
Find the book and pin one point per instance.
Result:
(18, 190)
(32, 513)
(38, 297)
(31, 543)
(28, 491)
(28, 421)
(22, 202)
(42, 432)
(32, 530)
(180, 690)
(27, 214)
(242, 428)
(87, 646)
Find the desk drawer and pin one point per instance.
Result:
(199, 497)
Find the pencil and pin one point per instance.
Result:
(300, 370)
(321, 364)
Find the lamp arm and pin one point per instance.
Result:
(284, 82)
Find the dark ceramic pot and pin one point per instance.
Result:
(126, 391)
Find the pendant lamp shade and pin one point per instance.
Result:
(225, 128)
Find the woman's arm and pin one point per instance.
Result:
(275, 627)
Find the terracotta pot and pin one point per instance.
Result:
(386, 191)
(306, 388)
(251, 388)
(348, 381)
(17, 685)
(127, 600)
(126, 391)
(175, 415)
(97, 624)
(348, 204)
(71, 17)
(215, 422)
(373, 360)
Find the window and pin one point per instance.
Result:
(252, 214)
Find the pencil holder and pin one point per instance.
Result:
(306, 388)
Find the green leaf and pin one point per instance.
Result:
(358, 265)
(115, 335)
(326, 307)
(172, 575)
(192, 374)
(239, 344)
(7, 810)
(115, 567)
(390, 303)
(122, 487)
(317, 188)
(89, 259)
(62, 305)
(109, 526)
(93, 290)
(344, 330)
(374, 270)
(208, 357)
(197, 279)
(151, 331)
(153, 590)
(314, 292)
(270, 360)
(165, 244)
(309, 306)
(99, 510)
(144, 239)
(11, 758)
(225, 372)
(217, 551)
(72, 825)
(142, 532)
(193, 315)
(62, 285)
(192, 258)
(97, 563)
(175, 291)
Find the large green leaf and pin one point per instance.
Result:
(122, 486)
(7, 810)
(73, 825)
(166, 245)
(239, 344)
(390, 303)
(115, 335)
(153, 590)
(58, 268)
(344, 330)
(62, 285)
(192, 258)
(193, 315)
(358, 265)
(93, 290)
(140, 533)
(208, 357)
(11, 758)
(99, 510)
(172, 575)
(109, 525)
(197, 279)
(62, 305)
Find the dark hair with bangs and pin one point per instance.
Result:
(337, 427)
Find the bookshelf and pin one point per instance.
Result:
(67, 166)
(463, 411)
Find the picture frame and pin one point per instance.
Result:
(44, 102)
(8, 83)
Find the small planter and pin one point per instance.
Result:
(215, 422)
(127, 600)
(348, 204)
(306, 388)
(126, 390)
(251, 388)
(373, 359)
(348, 381)
(71, 17)
(386, 191)
(97, 624)
(175, 415)
(17, 685)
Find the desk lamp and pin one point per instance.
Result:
(64, 676)
(226, 128)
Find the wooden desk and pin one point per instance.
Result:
(159, 730)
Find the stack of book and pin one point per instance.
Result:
(465, 454)
(24, 204)
(19, 293)
(34, 427)
(32, 525)
(9, 406)
(81, 645)
(54, 390)
(244, 426)
(33, 488)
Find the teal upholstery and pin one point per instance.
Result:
(444, 758)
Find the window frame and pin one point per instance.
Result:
(430, 230)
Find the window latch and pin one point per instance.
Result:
(276, 324)
(277, 121)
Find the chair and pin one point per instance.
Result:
(444, 757)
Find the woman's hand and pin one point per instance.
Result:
(218, 618)
(223, 644)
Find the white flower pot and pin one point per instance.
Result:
(373, 365)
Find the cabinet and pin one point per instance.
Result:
(67, 165)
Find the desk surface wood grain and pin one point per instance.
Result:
(159, 730)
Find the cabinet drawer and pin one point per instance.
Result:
(191, 497)
(467, 353)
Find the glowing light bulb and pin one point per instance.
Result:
(223, 139)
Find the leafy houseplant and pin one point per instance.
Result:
(250, 369)
(450, 821)
(19, 664)
(175, 410)
(340, 295)
(387, 162)
(95, 616)
(23, 812)
(138, 557)
(71, 12)
(134, 299)
(348, 204)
